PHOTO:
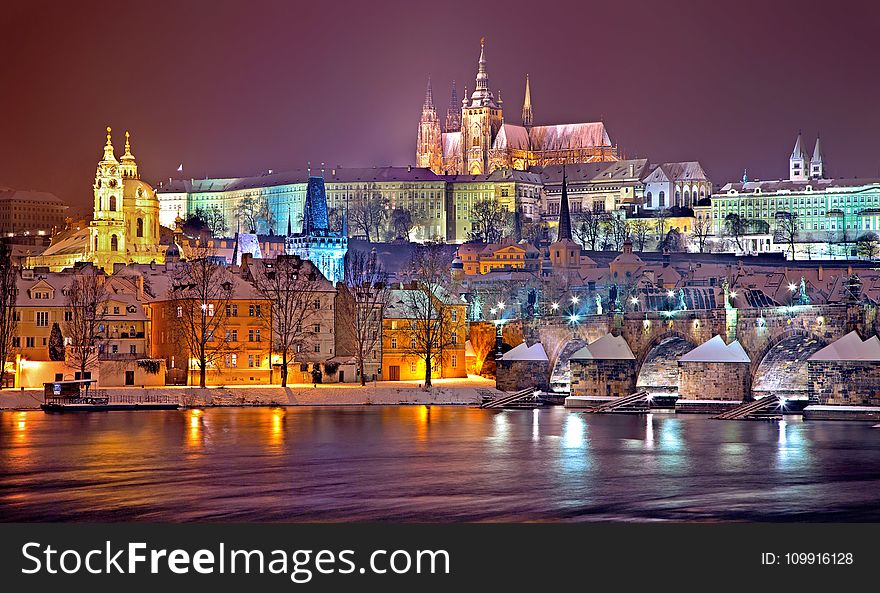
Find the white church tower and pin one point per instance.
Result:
(817, 163)
(798, 163)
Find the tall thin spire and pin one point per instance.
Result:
(564, 214)
(453, 114)
(429, 96)
(482, 95)
(527, 106)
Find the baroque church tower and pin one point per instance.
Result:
(107, 229)
(429, 149)
(481, 119)
(125, 225)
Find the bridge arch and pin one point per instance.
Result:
(560, 375)
(657, 364)
(780, 367)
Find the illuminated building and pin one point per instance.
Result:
(482, 142)
(400, 362)
(125, 224)
(315, 242)
(827, 215)
(28, 212)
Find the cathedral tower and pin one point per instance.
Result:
(481, 119)
(428, 150)
(453, 114)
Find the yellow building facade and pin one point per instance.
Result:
(125, 222)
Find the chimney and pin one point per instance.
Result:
(409, 168)
(821, 273)
(632, 169)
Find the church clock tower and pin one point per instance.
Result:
(107, 229)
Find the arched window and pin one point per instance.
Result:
(661, 199)
(648, 199)
(687, 197)
(114, 243)
(96, 243)
(113, 203)
(140, 227)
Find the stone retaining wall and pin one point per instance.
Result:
(610, 378)
(729, 381)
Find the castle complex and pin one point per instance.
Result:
(477, 140)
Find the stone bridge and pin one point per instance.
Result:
(778, 340)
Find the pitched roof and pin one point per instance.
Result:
(850, 347)
(511, 136)
(715, 350)
(523, 352)
(569, 136)
(608, 347)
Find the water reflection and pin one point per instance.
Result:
(416, 463)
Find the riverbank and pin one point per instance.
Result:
(467, 391)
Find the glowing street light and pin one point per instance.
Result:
(575, 300)
(634, 300)
(493, 310)
(501, 305)
(792, 286)
(670, 293)
(554, 306)
(574, 318)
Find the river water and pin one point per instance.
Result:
(431, 464)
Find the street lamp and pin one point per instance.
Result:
(555, 306)
(575, 300)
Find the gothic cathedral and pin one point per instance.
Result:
(478, 141)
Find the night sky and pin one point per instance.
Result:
(236, 88)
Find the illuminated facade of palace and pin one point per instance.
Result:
(477, 140)
(125, 224)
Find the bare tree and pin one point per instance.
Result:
(287, 284)
(616, 231)
(367, 212)
(868, 245)
(661, 227)
(490, 221)
(402, 223)
(362, 302)
(641, 230)
(85, 328)
(587, 228)
(434, 318)
(787, 230)
(735, 226)
(8, 313)
(210, 217)
(254, 215)
(200, 290)
(701, 232)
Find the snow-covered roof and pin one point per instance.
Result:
(608, 347)
(469, 349)
(569, 136)
(451, 144)
(511, 136)
(850, 347)
(524, 352)
(715, 350)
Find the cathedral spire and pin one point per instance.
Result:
(453, 114)
(527, 106)
(482, 95)
(564, 215)
(429, 96)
